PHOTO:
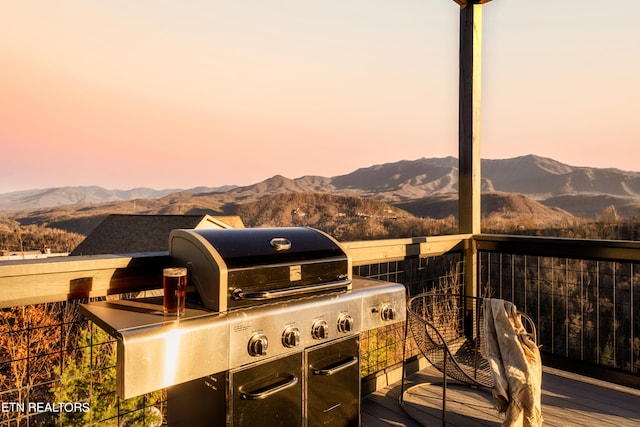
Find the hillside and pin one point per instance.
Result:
(83, 218)
(404, 179)
(344, 217)
(543, 178)
(313, 208)
(62, 196)
(424, 187)
(331, 212)
(591, 206)
(507, 205)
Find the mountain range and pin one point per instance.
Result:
(423, 187)
(62, 196)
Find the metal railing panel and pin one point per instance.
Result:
(582, 294)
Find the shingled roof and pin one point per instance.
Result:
(120, 234)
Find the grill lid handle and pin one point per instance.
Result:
(280, 243)
(239, 294)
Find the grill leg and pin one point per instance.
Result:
(444, 388)
(404, 357)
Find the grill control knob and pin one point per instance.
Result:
(388, 312)
(258, 344)
(320, 330)
(345, 323)
(291, 337)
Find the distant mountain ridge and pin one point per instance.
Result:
(542, 178)
(583, 191)
(63, 196)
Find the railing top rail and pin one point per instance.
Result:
(588, 249)
(372, 251)
(58, 279)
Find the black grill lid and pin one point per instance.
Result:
(234, 268)
(250, 247)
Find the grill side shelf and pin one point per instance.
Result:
(157, 351)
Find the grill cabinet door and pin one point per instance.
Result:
(268, 394)
(333, 387)
(198, 403)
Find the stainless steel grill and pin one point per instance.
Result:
(270, 335)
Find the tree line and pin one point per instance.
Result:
(15, 238)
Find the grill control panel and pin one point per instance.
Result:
(278, 329)
(272, 330)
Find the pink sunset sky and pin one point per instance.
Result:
(169, 94)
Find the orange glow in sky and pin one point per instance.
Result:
(168, 94)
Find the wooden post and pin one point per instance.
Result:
(469, 179)
(469, 118)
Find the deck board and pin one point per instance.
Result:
(567, 400)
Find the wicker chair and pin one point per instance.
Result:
(449, 332)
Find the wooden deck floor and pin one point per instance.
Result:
(567, 400)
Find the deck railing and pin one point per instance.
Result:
(583, 294)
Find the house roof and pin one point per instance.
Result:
(119, 234)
